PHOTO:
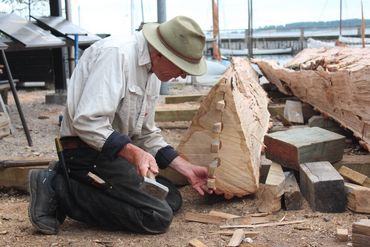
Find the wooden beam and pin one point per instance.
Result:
(359, 163)
(292, 197)
(176, 99)
(295, 146)
(322, 186)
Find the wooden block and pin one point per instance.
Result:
(213, 166)
(175, 112)
(196, 243)
(300, 145)
(342, 234)
(220, 105)
(354, 176)
(358, 198)
(237, 238)
(217, 127)
(362, 227)
(215, 146)
(293, 111)
(16, 177)
(264, 168)
(359, 163)
(326, 123)
(360, 240)
(176, 99)
(292, 197)
(211, 183)
(269, 194)
(203, 218)
(4, 125)
(322, 186)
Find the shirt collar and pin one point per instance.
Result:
(143, 54)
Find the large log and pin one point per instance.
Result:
(234, 115)
(336, 81)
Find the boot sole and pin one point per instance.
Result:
(32, 183)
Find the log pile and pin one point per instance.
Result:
(336, 81)
(228, 129)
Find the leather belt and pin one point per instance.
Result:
(73, 142)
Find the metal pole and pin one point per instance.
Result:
(71, 65)
(340, 20)
(161, 11)
(161, 17)
(15, 95)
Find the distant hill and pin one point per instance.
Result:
(317, 24)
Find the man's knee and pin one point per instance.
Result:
(159, 220)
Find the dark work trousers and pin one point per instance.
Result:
(119, 204)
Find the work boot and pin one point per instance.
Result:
(42, 210)
(54, 166)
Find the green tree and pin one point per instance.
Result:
(25, 8)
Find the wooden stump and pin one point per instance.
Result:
(229, 126)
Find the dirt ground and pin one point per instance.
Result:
(16, 230)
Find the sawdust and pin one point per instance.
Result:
(42, 120)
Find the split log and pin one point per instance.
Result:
(341, 93)
(235, 114)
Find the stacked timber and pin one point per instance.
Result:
(336, 81)
(228, 131)
(361, 233)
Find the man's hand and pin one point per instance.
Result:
(143, 161)
(196, 175)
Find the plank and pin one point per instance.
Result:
(299, 145)
(203, 218)
(237, 238)
(269, 194)
(175, 112)
(292, 197)
(354, 176)
(283, 223)
(222, 214)
(322, 186)
(230, 233)
(359, 163)
(239, 127)
(196, 243)
(176, 99)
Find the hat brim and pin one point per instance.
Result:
(150, 33)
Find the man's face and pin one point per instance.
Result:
(163, 68)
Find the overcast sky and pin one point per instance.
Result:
(113, 16)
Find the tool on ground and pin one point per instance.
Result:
(152, 187)
(59, 148)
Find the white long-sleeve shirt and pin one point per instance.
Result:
(111, 98)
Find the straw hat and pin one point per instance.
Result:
(181, 41)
